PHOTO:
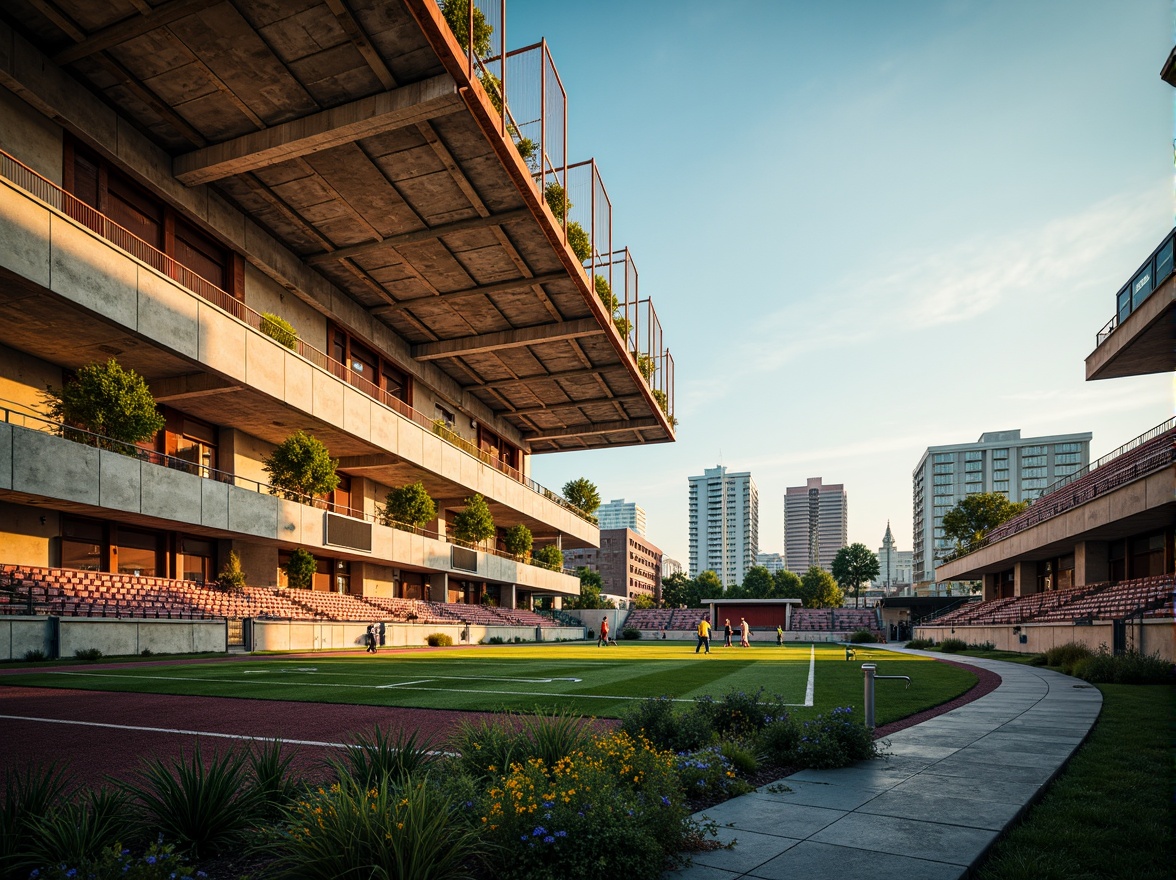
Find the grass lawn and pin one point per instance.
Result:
(578, 678)
(1109, 816)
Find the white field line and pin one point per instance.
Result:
(812, 679)
(401, 684)
(177, 730)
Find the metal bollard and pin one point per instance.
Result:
(869, 673)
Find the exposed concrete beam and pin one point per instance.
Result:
(392, 241)
(573, 404)
(191, 385)
(359, 38)
(484, 290)
(369, 116)
(561, 374)
(600, 428)
(129, 28)
(431, 351)
(361, 462)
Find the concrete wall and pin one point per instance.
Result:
(306, 635)
(1154, 636)
(23, 379)
(114, 638)
(24, 539)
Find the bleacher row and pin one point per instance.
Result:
(803, 619)
(69, 593)
(1149, 597)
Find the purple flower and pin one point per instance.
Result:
(549, 839)
(539, 831)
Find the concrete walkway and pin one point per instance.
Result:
(930, 810)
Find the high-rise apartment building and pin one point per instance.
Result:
(724, 524)
(337, 235)
(670, 567)
(894, 565)
(773, 562)
(1000, 461)
(816, 524)
(619, 514)
(629, 565)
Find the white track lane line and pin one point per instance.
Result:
(812, 679)
(176, 730)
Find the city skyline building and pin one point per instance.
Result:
(1018, 467)
(773, 562)
(629, 565)
(670, 567)
(894, 565)
(621, 514)
(816, 524)
(724, 524)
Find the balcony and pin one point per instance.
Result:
(65, 468)
(1141, 336)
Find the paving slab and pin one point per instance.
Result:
(929, 810)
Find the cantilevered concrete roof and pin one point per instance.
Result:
(352, 131)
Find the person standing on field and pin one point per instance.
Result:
(704, 629)
(744, 633)
(727, 633)
(603, 640)
(779, 635)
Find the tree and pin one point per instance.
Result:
(676, 589)
(969, 522)
(518, 541)
(642, 601)
(852, 565)
(548, 556)
(409, 505)
(301, 466)
(819, 590)
(474, 523)
(105, 399)
(757, 583)
(300, 570)
(591, 584)
(457, 16)
(232, 577)
(582, 494)
(709, 587)
(786, 585)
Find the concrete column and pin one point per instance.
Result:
(1024, 578)
(1091, 563)
(439, 586)
(991, 588)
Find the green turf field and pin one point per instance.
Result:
(578, 678)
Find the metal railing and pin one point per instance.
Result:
(1146, 279)
(55, 197)
(36, 422)
(1162, 428)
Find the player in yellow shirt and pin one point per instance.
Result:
(704, 629)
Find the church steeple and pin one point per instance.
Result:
(888, 541)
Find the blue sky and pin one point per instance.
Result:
(868, 228)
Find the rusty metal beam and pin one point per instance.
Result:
(506, 339)
(387, 111)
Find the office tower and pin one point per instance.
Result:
(816, 522)
(619, 514)
(724, 524)
(629, 565)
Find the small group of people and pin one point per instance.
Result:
(704, 631)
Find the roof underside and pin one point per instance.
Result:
(339, 126)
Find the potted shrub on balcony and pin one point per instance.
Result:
(279, 329)
(300, 468)
(474, 523)
(518, 541)
(409, 505)
(300, 570)
(548, 556)
(582, 494)
(106, 400)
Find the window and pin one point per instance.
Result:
(1032, 484)
(368, 371)
(1000, 453)
(1067, 447)
(138, 552)
(1068, 458)
(943, 456)
(974, 466)
(1000, 486)
(1032, 460)
(445, 415)
(83, 544)
(974, 455)
(1033, 472)
(1032, 450)
(944, 480)
(943, 468)
(198, 560)
(1066, 470)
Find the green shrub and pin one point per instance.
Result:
(708, 773)
(457, 15)
(28, 796)
(921, 644)
(206, 809)
(630, 634)
(409, 505)
(1067, 656)
(739, 713)
(300, 570)
(411, 830)
(862, 637)
(34, 655)
(495, 640)
(300, 468)
(279, 329)
(836, 739)
(953, 646)
(107, 400)
(273, 784)
(232, 577)
(1128, 668)
(78, 832)
(396, 758)
(579, 240)
(741, 758)
(158, 862)
(438, 640)
(656, 719)
(486, 748)
(778, 740)
(146, 652)
(518, 541)
(88, 655)
(548, 556)
(474, 523)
